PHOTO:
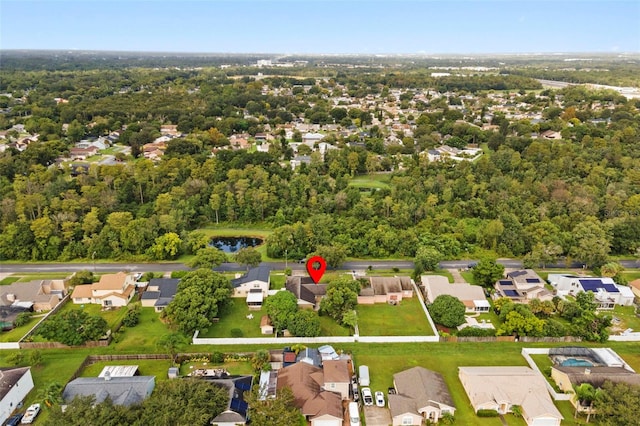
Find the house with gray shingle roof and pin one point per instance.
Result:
(159, 293)
(420, 394)
(121, 390)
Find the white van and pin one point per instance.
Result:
(354, 414)
(363, 375)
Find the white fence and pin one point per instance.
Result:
(526, 352)
(9, 345)
(632, 337)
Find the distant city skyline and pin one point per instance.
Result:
(323, 27)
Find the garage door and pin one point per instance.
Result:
(327, 423)
(545, 421)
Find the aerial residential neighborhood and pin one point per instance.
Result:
(355, 213)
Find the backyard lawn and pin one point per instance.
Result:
(627, 317)
(112, 316)
(17, 333)
(405, 319)
(234, 316)
(146, 367)
(233, 367)
(143, 337)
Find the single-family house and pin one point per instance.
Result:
(298, 160)
(522, 286)
(550, 134)
(40, 295)
(319, 406)
(306, 291)
(472, 296)
(337, 376)
(254, 285)
(607, 293)
(236, 412)
(420, 394)
(159, 293)
(386, 290)
(312, 138)
(121, 390)
(113, 290)
(500, 388)
(15, 384)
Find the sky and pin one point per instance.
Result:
(316, 27)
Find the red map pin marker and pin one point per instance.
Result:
(316, 273)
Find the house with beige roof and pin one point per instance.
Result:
(501, 388)
(40, 295)
(113, 290)
(522, 286)
(472, 296)
(337, 376)
(319, 406)
(385, 290)
(420, 394)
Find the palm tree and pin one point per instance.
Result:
(586, 394)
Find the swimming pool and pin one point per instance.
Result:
(573, 362)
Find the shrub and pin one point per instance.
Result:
(487, 413)
(476, 332)
(236, 332)
(217, 357)
(132, 317)
(22, 318)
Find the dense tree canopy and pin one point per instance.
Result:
(200, 296)
(73, 327)
(447, 310)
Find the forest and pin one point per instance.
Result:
(575, 197)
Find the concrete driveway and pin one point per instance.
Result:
(377, 416)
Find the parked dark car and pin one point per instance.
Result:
(14, 420)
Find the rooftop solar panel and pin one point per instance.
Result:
(506, 283)
(511, 293)
(533, 280)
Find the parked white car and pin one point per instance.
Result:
(31, 414)
(379, 399)
(367, 396)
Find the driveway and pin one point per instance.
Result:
(377, 416)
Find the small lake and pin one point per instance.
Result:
(233, 244)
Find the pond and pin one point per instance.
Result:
(233, 244)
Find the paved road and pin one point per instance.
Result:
(231, 267)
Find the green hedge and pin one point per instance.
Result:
(487, 413)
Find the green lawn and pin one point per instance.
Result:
(146, 367)
(404, 319)
(235, 316)
(328, 327)
(370, 181)
(113, 316)
(43, 276)
(468, 276)
(143, 337)
(627, 317)
(9, 280)
(18, 332)
(277, 280)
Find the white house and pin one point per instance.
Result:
(15, 384)
(607, 292)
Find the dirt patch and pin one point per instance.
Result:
(377, 416)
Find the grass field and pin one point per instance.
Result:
(235, 316)
(9, 280)
(404, 319)
(146, 367)
(18, 332)
(143, 337)
(371, 181)
(384, 360)
(627, 317)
